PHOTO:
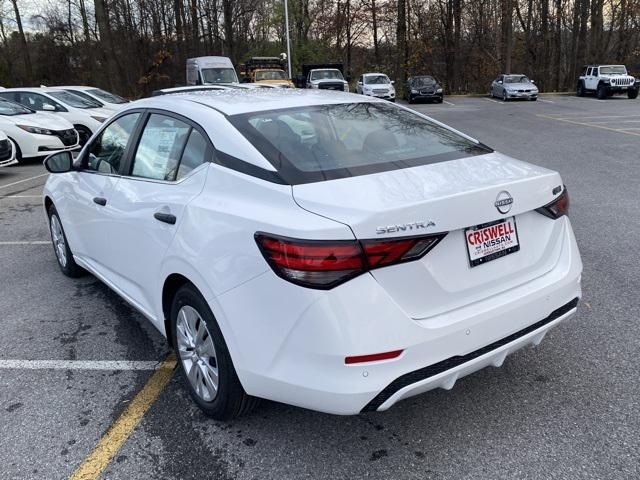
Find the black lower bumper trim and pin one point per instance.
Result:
(452, 362)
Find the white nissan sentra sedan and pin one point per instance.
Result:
(320, 249)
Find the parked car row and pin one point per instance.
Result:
(44, 120)
(602, 80)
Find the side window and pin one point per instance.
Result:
(194, 154)
(595, 72)
(36, 101)
(160, 148)
(9, 96)
(588, 71)
(107, 151)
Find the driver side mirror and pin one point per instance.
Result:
(533, 81)
(47, 107)
(393, 82)
(60, 162)
(500, 82)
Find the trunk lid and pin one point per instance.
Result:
(446, 197)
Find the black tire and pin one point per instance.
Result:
(632, 93)
(534, 99)
(84, 134)
(580, 89)
(440, 100)
(601, 92)
(504, 96)
(68, 266)
(230, 400)
(410, 100)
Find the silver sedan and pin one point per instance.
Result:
(512, 86)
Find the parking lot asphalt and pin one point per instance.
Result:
(567, 409)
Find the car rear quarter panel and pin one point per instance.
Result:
(215, 247)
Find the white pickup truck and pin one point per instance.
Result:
(607, 80)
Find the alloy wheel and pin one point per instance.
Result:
(197, 353)
(59, 244)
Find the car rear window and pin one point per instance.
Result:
(326, 142)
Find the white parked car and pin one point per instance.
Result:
(35, 134)
(107, 100)
(7, 151)
(376, 85)
(85, 116)
(322, 249)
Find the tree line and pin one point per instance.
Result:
(135, 46)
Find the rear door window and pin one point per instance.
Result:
(194, 155)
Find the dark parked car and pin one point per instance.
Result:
(422, 87)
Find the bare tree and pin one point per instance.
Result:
(23, 40)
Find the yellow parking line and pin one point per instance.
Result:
(584, 124)
(118, 433)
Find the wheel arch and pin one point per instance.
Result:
(18, 152)
(177, 274)
(171, 285)
(47, 203)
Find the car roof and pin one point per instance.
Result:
(187, 88)
(232, 102)
(35, 89)
(75, 87)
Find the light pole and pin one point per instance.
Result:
(286, 24)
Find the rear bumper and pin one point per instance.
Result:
(444, 374)
(289, 343)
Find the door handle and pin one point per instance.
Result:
(165, 217)
(100, 201)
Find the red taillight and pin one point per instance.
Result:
(324, 264)
(312, 263)
(374, 357)
(381, 253)
(557, 208)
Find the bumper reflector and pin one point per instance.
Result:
(374, 357)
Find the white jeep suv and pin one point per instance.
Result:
(607, 80)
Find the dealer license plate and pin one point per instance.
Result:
(491, 240)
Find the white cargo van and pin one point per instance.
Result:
(210, 70)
